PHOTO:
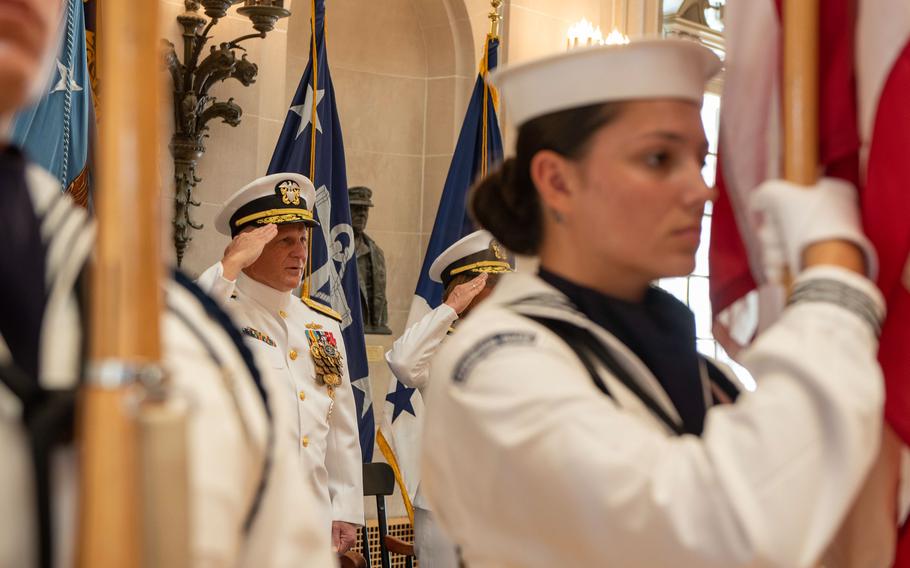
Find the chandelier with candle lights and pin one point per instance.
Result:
(585, 34)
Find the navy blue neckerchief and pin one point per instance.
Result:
(660, 330)
(47, 415)
(22, 264)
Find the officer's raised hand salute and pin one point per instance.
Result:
(463, 295)
(245, 248)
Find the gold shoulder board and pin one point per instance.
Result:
(321, 308)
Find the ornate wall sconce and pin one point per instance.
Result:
(193, 106)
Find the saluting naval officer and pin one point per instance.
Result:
(299, 339)
(573, 422)
(468, 271)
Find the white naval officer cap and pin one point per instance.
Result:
(476, 253)
(274, 199)
(642, 69)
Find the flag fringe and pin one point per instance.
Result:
(386, 450)
(78, 189)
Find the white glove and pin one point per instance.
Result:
(792, 217)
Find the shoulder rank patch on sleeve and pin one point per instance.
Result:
(256, 334)
(487, 346)
(321, 308)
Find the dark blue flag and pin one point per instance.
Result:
(479, 148)
(318, 153)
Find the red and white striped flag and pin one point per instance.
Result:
(864, 137)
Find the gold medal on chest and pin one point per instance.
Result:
(327, 359)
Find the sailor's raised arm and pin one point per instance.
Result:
(218, 280)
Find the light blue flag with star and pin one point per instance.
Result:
(318, 153)
(54, 133)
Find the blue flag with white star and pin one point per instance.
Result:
(479, 148)
(311, 144)
(54, 133)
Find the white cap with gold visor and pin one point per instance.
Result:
(274, 199)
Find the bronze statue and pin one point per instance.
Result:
(370, 265)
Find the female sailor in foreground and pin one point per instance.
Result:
(573, 421)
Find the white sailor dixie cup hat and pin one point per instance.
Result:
(274, 199)
(476, 253)
(642, 69)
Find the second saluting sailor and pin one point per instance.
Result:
(298, 339)
(468, 271)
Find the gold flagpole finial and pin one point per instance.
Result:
(495, 17)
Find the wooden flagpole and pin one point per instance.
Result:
(874, 509)
(801, 119)
(124, 339)
(800, 91)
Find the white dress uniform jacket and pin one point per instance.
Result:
(68, 234)
(409, 360)
(276, 327)
(528, 464)
(410, 357)
(228, 427)
(229, 431)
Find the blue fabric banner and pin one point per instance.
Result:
(54, 133)
(311, 144)
(479, 147)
